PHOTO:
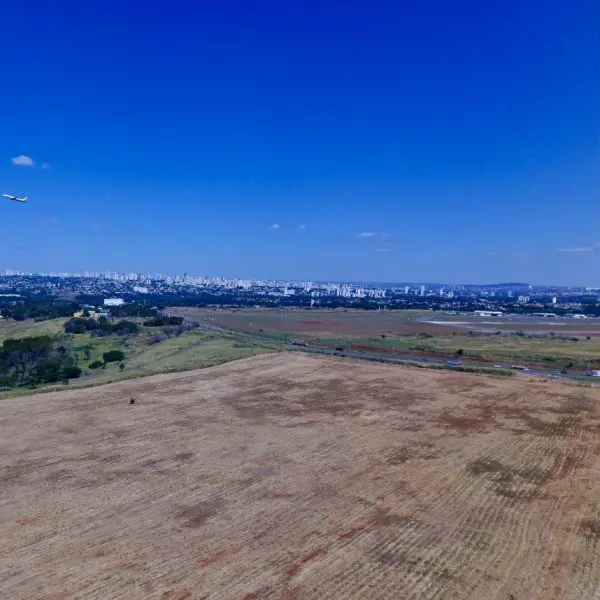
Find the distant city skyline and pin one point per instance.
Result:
(420, 285)
(328, 141)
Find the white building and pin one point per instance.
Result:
(114, 301)
(488, 313)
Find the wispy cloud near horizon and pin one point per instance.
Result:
(274, 227)
(372, 234)
(589, 248)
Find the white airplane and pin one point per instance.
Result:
(15, 198)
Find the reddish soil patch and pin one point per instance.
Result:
(306, 559)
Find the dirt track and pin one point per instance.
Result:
(293, 477)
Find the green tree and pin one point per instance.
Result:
(75, 325)
(113, 356)
(71, 372)
(122, 367)
(6, 381)
(47, 370)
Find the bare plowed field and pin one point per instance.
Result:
(291, 477)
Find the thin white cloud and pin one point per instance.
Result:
(274, 227)
(46, 166)
(372, 234)
(22, 161)
(577, 248)
(302, 227)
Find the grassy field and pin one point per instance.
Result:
(404, 331)
(505, 348)
(195, 349)
(29, 328)
(296, 477)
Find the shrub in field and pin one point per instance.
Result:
(126, 327)
(113, 356)
(71, 372)
(157, 338)
(95, 365)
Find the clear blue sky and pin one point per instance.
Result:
(260, 139)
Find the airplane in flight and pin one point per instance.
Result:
(15, 198)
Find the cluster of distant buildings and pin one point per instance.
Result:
(548, 315)
(487, 298)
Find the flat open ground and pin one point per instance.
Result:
(365, 323)
(320, 323)
(407, 331)
(293, 477)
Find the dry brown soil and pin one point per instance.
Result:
(292, 477)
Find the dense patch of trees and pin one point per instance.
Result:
(100, 327)
(162, 320)
(32, 361)
(133, 310)
(38, 310)
(44, 359)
